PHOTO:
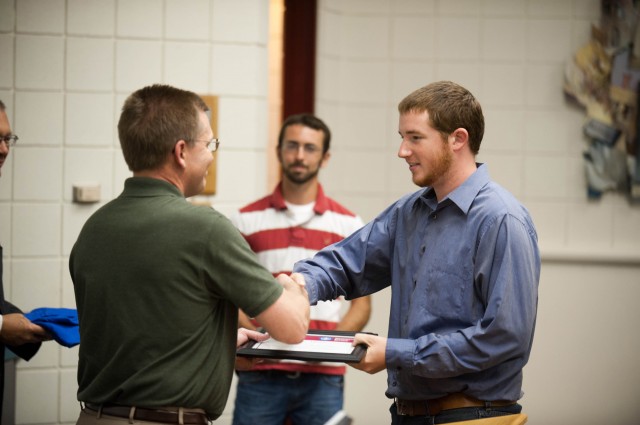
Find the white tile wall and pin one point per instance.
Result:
(48, 357)
(236, 70)
(504, 130)
(234, 113)
(67, 68)
(69, 356)
(366, 82)
(357, 127)
(240, 21)
(504, 168)
(138, 64)
(39, 62)
(510, 53)
(549, 8)
(91, 17)
(365, 37)
(458, 38)
(539, 125)
(361, 7)
(502, 84)
(591, 224)
(39, 118)
(187, 23)
(89, 64)
(467, 73)
(88, 166)
(187, 65)
(327, 79)
(40, 16)
(251, 165)
(7, 178)
(504, 8)
(366, 172)
(545, 177)
(551, 223)
(626, 232)
(7, 16)
(140, 18)
(459, 7)
(68, 65)
(540, 81)
(42, 290)
(33, 382)
(68, 391)
(413, 7)
(36, 232)
(577, 179)
(495, 46)
(330, 30)
(5, 225)
(89, 119)
(548, 40)
(6, 66)
(413, 37)
(37, 174)
(407, 76)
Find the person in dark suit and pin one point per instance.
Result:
(17, 332)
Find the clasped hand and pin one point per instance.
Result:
(18, 330)
(374, 360)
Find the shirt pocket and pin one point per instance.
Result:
(445, 292)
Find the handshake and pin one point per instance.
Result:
(287, 319)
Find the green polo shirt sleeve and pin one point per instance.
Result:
(234, 273)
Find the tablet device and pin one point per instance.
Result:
(323, 346)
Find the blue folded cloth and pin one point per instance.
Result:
(61, 323)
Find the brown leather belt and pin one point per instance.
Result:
(435, 406)
(163, 415)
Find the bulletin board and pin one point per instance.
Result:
(212, 102)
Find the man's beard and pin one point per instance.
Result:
(297, 177)
(440, 168)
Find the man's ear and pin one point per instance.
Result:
(325, 159)
(459, 138)
(179, 153)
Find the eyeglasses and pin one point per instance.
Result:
(295, 147)
(212, 145)
(9, 140)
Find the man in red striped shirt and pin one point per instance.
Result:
(290, 224)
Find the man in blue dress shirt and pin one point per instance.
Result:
(462, 259)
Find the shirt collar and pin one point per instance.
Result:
(148, 186)
(464, 194)
(276, 200)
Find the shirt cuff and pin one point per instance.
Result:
(399, 353)
(312, 289)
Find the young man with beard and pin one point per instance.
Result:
(293, 223)
(462, 259)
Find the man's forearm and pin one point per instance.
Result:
(357, 317)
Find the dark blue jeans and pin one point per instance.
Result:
(268, 397)
(454, 415)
